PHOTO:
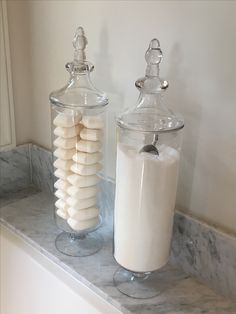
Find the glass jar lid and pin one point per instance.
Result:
(149, 113)
(79, 92)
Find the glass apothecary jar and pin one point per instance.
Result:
(78, 122)
(148, 153)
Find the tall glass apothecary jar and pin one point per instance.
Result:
(148, 154)
(78, 121)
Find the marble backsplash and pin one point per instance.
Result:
(41, 168)
(15, 172)
(205, 252)
(198, 248)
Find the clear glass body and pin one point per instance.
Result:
(146, 187)
(148, 153)
(78, 112)
(78, 142)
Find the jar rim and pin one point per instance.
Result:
(126, 127)
(60, 104)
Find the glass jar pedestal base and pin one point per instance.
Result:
(79, 245)
(137, 285)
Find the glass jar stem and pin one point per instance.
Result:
(74, 237)
(142, 276)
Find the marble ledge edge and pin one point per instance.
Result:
(59, 262)
(198, 248)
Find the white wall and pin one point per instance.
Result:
(198, 41)
(18, 24)
(7, 120)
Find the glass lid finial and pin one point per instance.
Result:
(152, 82)
(79, 64)
(79, 42)
(153, 54)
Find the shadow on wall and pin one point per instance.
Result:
(19, 36)
(181, 100)
(104, 80)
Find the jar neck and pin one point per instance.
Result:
(150, 100)
(80, 79)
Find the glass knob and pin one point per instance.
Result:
(79, 42)
(154, 54)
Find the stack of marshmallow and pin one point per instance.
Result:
(78, 154)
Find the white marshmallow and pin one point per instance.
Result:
(63, 214)
(67, 119)
(81, 204)
(65, 154)
(68, 132)
(61, 205)
(62, 174)
(61, 185)
(83, 181)
(87, 158)
(82, 225)
(66, 143)
(83, 214)
(63, 164)
(82, 193)
(92, 122)
(86, 170)
(61, 195)
(91, 134)
(88, 146)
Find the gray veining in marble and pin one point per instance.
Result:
(14, 169)
(13, 196)
(182, 295)
(205, 252)
(42, 168)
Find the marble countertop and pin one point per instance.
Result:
(183, 294)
